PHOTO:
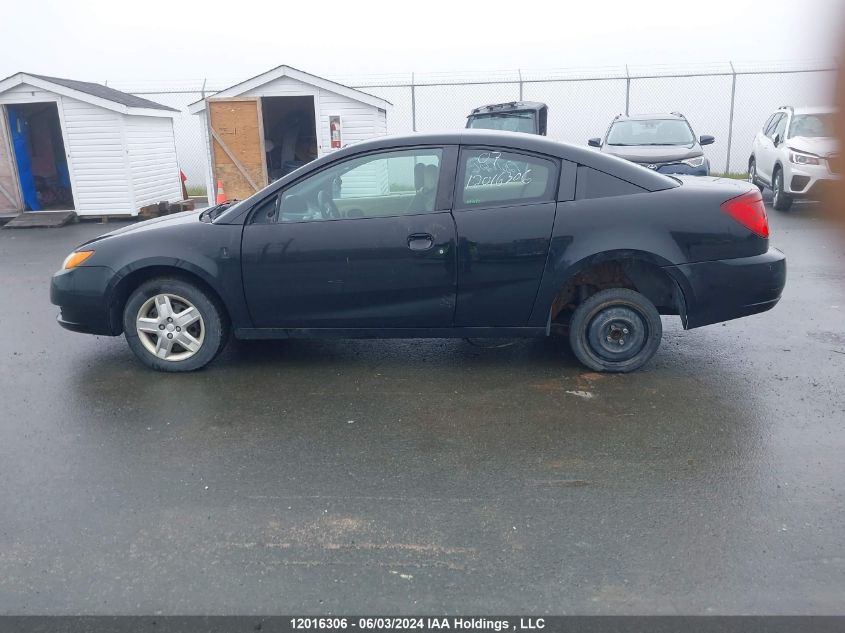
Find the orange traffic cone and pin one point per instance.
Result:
(221, 195)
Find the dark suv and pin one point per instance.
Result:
(514, 116)
(663, 142)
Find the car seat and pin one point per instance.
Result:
(425, 196)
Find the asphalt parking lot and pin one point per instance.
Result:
(427, 476)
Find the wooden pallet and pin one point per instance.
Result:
(40, 219)
(165, 208)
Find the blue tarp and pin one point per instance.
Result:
(20, 141)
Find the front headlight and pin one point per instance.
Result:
(75, 258)
(696, 161)
(802, 159)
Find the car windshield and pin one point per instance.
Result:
(507, 121)
(651, 132)
(811, 125)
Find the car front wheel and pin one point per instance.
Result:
(780, 200)
(173, 325)
(752, 175)
(615, 330)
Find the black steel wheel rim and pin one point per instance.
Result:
(617, 334)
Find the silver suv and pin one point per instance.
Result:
(792, 154)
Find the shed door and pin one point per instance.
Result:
(9, 190)
(237, 141)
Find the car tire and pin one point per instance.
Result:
(752, 175)
(174, 325)
(780, 200)
(615, 330)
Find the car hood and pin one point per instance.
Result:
(820, 145)
(162, 223)
(653, 153)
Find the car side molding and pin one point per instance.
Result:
(417, 332)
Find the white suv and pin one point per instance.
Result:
(792, 154)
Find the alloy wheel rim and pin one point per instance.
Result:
(170, 327)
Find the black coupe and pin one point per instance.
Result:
(462, 234)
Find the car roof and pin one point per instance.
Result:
(492, 108)
(809, 109)
(651, 116)
(470, 136)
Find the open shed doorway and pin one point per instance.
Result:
(290, 133)
(39, 150)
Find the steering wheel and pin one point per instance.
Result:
(328, 209)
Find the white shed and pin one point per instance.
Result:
(264, 127)
(74, 145)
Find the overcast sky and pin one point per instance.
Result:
(128, 40)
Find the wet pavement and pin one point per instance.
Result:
(426, 476)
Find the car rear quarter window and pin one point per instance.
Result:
(493, 177)
(592, 183)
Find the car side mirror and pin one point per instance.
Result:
(594, 142)
(776, 139)
(706, 139)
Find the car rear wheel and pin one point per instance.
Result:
(752, 175)
(780, 200)
(615, 330)
(173, 325)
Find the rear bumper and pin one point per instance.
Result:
(81, 294)
(728, 289)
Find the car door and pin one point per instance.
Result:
(367, 242)
(766, 151)
(504, 210)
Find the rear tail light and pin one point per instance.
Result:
(749, 211)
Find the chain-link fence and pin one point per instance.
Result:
(730, 101)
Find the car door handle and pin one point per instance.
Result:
(420, 241)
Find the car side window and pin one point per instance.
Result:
(780, 128)
(401, 182)
(770, 129)
(768, 124)
(490, 177)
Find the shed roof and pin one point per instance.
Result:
(96, 94)
(299, 75)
